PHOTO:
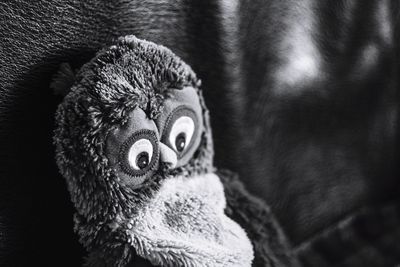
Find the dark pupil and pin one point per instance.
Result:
(180, 142)
(142, 160)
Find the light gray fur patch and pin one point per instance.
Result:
(185, 225)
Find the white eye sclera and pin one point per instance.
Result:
(140, 154)
(181, 133)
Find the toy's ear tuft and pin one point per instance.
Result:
(63, 80)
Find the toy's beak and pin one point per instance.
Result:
(168, 156)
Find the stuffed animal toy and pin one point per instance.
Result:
(134, 143)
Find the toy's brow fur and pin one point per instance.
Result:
(124, 75)
(128, 74)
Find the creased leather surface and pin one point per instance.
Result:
(303, 97)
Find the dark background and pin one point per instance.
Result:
(315, 145)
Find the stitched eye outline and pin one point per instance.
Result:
(125, 149)
(175, 115)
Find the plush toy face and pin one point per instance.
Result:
(136, 149)
(185, 207)
(134, 144)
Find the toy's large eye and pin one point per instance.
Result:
(139, 154)
(181, 133)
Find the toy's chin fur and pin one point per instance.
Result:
(184, 224)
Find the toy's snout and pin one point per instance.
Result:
(167, 155)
